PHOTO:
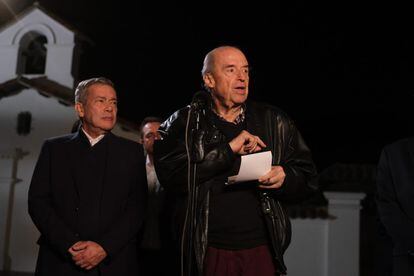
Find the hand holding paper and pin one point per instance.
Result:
(252, 167)
(258, 166)
(273, 179)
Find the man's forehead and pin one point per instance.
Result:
(151, 125)
(230, 56)
(101, 88)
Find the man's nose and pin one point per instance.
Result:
(109, 107)
(242, 76)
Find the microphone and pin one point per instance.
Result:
(201, 100)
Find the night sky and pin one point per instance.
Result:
(342, 71)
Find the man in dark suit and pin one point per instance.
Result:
(395, 199)
(88, 192)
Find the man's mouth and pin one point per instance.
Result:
(241, 89)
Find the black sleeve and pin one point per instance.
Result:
(300, 170)
(41, 209)
(398, 225)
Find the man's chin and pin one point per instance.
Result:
(240, 99)
(107, 127)
(241, 94)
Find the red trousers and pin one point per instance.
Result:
(246, 262)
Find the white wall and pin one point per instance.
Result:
(306, 254)
(343, 244)
(49, 118)
(327, 247)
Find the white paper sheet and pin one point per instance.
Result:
(252, 167)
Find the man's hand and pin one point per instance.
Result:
(273, 179)
(77, 248)
(87, 254)
(246, 143)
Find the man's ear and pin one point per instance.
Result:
(140, 140)
(79, 109)
(209, 80)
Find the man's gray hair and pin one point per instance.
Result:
(82, 88)
(207, 63)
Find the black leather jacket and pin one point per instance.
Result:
(211, 156)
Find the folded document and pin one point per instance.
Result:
(252, 167)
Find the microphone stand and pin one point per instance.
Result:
(193, 157)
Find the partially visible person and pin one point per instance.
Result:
(151, 251)
(382, 251)
(148, 134)
(395, 201)
(88, 193)
(242, 228)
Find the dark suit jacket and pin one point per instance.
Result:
(54, 197)
(395, 200)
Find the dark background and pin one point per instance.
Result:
(341, 70)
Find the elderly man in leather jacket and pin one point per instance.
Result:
(238, 229)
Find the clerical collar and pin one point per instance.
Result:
(239, 119)
(93, 141)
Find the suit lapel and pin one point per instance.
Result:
(108, 153)
(106, 177)
(75, 146)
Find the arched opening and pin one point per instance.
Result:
(32, 54)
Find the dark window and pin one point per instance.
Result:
(24, 123)
(32, 54)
